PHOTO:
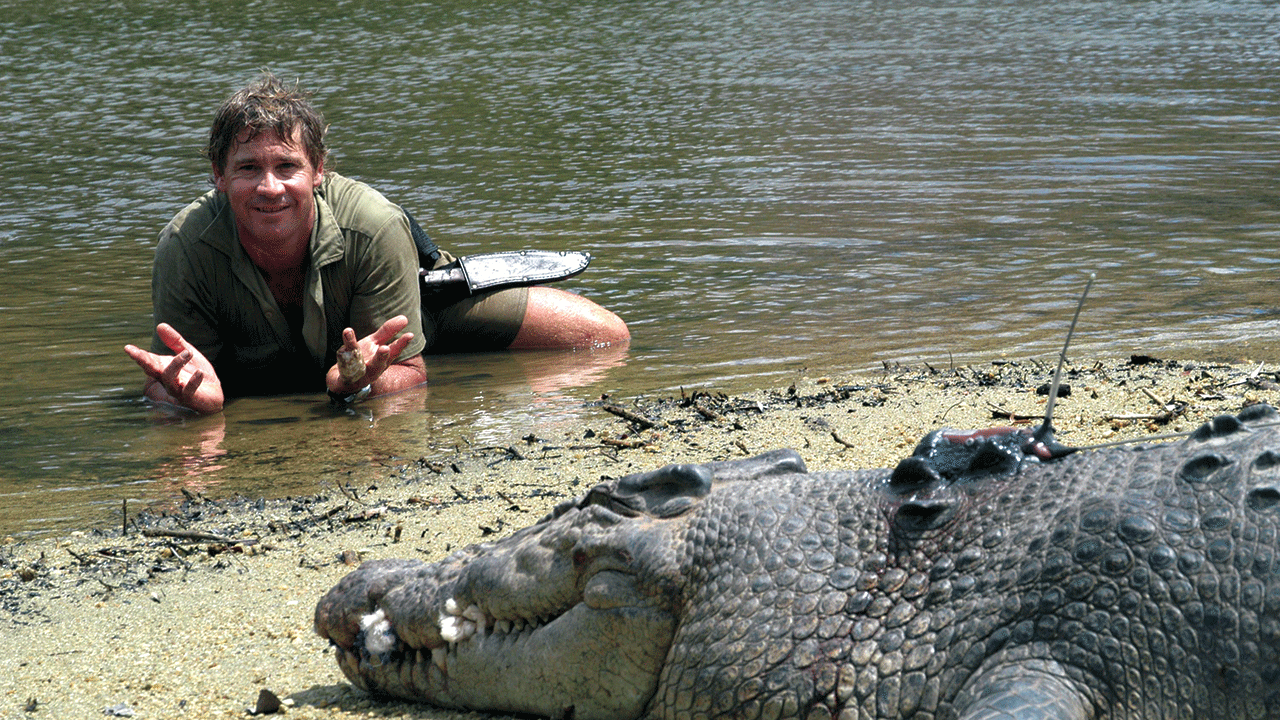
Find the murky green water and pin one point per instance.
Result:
(767, 186)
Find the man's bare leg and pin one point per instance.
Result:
(558, 319)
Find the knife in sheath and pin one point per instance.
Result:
(494, 271)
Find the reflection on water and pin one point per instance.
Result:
(287, 444)
(766, 187)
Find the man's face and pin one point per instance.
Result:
(269, 182)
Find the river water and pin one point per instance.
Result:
(770, 188)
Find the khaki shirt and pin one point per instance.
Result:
(363, 271)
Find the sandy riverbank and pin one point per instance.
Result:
(163, 625)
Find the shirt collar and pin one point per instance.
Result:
(327, 242)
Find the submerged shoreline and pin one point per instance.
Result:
(193, 611)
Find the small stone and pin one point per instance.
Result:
(268, 703)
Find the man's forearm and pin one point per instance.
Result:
(396, 377)
(400, 376)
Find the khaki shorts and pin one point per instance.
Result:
(488, 321)
(478, 323)
(474, 324)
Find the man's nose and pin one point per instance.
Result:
(270, 183)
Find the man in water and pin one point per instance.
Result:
(263, 284)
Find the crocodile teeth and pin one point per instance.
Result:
(454, 629)
(379, 637)
(438, 656)
(458, 623)
(476, 615)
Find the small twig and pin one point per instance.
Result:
(370, 514)
(83, 560)
(836, 436)
(707, 413)
(1138, 416)
(623, 443)
(1152, 396)
(999, 413)
(351, 494)
(513, 504)
(953, 407)
(188, 535)
(177, 555)
(644, 422)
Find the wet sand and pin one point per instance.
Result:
(200, 607)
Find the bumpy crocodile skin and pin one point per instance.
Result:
(1139, 582)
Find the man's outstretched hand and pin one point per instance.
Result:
(366, 361)
(185, 378)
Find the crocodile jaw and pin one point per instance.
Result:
(585, 663)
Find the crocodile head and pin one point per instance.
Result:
(570, 617)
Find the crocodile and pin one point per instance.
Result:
(989, 575)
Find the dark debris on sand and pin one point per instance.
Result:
(221, 534)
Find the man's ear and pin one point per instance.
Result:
(319, 177)
(219, 181)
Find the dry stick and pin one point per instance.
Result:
(365, 515)
(1152, 396)
(511, 502)
(351, 494)
(188, 535)
(1000, 413)
(644, 422)
(836, 436)
(623, 443)
(707, 413)
(1161, 416)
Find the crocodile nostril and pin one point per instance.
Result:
(1264, 498)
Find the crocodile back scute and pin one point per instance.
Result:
(1145, 579)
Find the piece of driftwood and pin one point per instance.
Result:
(623, 443)
(196, 535)
(644, 422)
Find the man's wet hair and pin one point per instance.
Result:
(267, 105)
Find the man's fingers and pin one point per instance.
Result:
(400, 344)
(170, 375)
(349, 339)
(193, 384)
(389, 329)
(171, 338)
(149, 362)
